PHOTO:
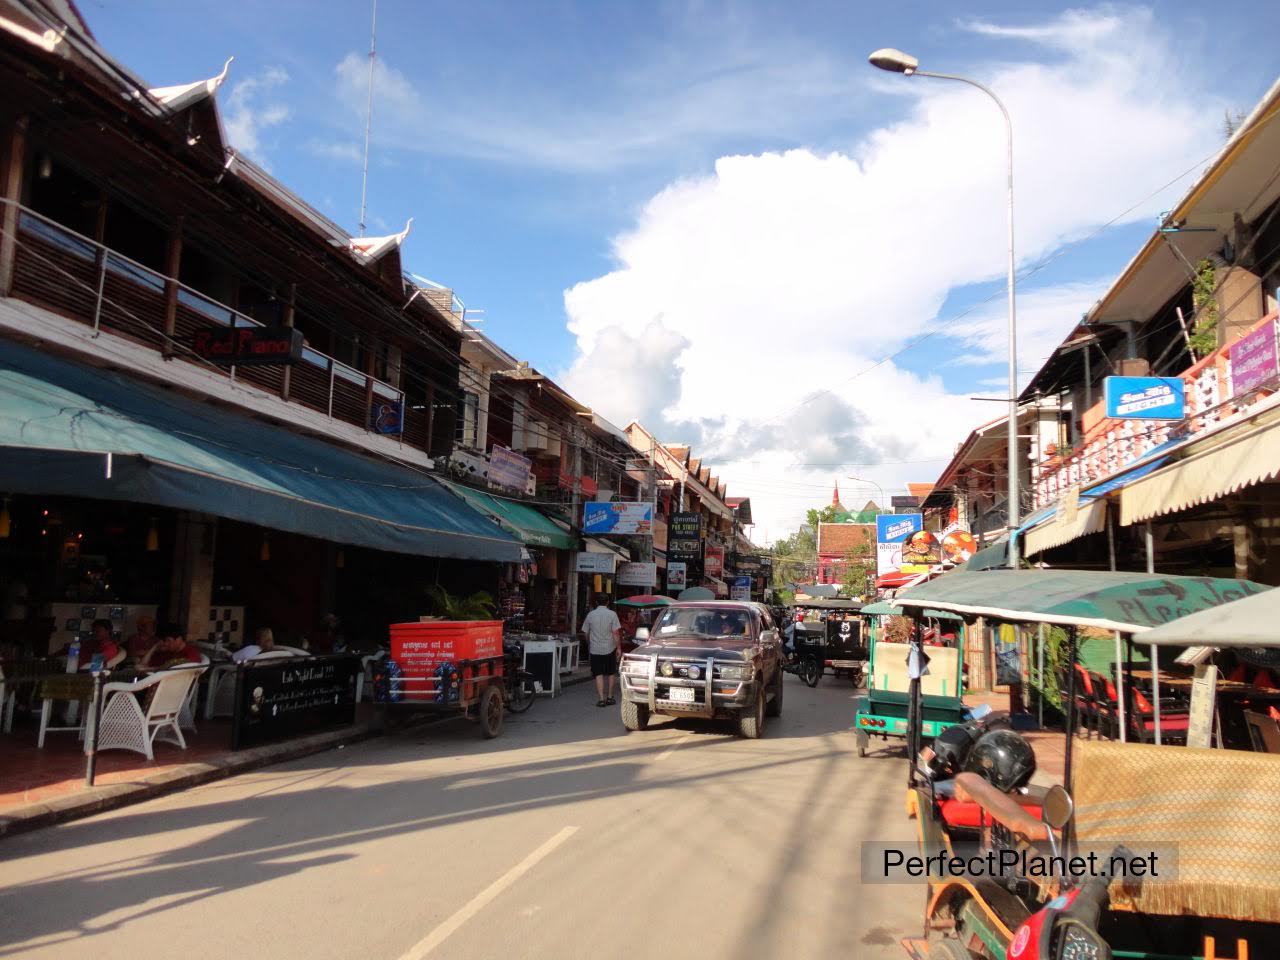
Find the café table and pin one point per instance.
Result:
(76, 688)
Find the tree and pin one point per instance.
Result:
(1204, 338)
(859, 569)
(828, 514)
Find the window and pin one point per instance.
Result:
(468, 420)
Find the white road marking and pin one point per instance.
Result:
(673, 748)
(482, 899)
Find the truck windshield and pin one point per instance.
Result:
(701, 622)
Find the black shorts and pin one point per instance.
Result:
(604, 664)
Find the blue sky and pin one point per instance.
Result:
(558, 146)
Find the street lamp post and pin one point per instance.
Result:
(895, 61)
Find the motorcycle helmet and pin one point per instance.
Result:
(1002, 758)
(951, 749)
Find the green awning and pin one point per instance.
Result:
(535, 529)
(1129, 602)
(61, 420)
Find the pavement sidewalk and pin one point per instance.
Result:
(141, 785)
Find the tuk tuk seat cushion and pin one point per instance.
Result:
(1218, 807)
(968, 815)
(891, 669)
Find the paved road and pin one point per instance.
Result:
(565, 838)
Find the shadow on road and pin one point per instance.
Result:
(259, 835)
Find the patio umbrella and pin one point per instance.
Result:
(645, 600)
(696, 593)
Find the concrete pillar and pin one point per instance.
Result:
(13, 160)
(1240, 302)
(191, 585)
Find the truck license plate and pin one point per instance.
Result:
(680, 694)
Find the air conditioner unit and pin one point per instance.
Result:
(535, 436)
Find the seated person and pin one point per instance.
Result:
(171, 650)
(102, 643)
(733, 625)
(144, 639)
(263, 642)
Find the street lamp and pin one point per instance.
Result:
(874, 484)
(895, 61)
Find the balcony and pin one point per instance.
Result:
(71, 275)
(1111, 445)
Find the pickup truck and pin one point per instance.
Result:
(716, 659)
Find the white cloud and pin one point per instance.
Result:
(252, 109)
(791, 272)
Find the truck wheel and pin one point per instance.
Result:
(490, 712)
(635, 716)
(810, 671)
(751, 725)
(775, 705)
(864, 741)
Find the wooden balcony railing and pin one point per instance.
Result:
(72, 275)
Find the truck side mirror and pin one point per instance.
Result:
(642, 634)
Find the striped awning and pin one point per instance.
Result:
(1223, 465)
(1090, 517)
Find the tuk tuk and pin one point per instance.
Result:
(884, 711)
(1124, 799)
(828, 635)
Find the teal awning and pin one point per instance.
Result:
(532, 527)
(59, 419)
(1129, 602)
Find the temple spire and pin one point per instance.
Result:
(835, 495)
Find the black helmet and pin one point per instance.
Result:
(952, 747)
(1002, 758)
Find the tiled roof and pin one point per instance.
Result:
(920, 490)
(837, 539)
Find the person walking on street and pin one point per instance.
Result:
(604, 643)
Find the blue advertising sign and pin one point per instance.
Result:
(1145, 398)
(896, 549)
(387, 416)
(617, 518)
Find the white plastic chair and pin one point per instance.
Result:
(127, 725)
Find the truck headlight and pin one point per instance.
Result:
(742, 672)
(635, 667)
(695, 672)
(668, 670)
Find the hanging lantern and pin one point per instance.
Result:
(265, 553)
(153, 536)
(6, 522)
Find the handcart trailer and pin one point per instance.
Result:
(835, 643)
(885, 710)
(445, 667)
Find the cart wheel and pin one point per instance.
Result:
(522, 693)
(855, 677)
(489, 712)
(810, 671)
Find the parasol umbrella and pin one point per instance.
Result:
(645, 600)
(696, 593)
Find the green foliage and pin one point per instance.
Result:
(1204, 338)
(828, 514)
(1056, 651)
(860, 568)
(477, 606)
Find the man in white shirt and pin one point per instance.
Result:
(604, 643)
(264, 642)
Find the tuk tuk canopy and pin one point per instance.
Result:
(1128, 602)
(833, 604)
(1250, 622)
(888, 608)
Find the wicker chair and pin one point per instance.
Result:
(132, 720)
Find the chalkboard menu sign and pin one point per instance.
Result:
(283, 698)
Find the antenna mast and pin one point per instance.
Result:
(368, 119)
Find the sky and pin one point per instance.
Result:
(717, 218)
